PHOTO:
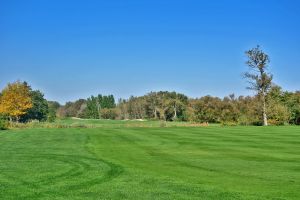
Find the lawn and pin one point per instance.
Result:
(150, 163)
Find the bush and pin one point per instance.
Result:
(229, 123)
(278, 114)
(51, 117)
(3, 123)
(108, 113)
(244, 120)
(275, 122)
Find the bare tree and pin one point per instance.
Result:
(259, 79)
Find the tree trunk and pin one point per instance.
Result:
(155, 113)
(265, 118)
(265, 115)
(99, 109)
(175, 112)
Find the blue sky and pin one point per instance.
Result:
(72, 49)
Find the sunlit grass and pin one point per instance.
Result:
(150, 163)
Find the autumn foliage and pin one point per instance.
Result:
(15, 100)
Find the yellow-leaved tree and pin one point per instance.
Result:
(15, 100)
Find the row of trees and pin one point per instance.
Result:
(155, 105)
(94, 107)
(18, 102)
(282, 107)
(161, 105)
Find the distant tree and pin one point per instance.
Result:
(207, 109)
(259, 79)
(123, 109)
(152, 105)
(72, 109)
(39, 109)
(107, 101)
(136, 107)
(77, 108)
(177, 102)
(95, 104)
(15, 100)
(53, 107)
(293, 104)
(229, 112)
(51, 115)
(170, 105)
(249, 110)
(92, 108)
(68, 111)
(163, 106)
(278, 113)
(98, 101)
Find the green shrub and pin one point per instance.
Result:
(3, 123)
(51, 116)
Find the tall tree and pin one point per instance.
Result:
(258, 77)
(15, 100)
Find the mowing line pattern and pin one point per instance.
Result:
(151, 163)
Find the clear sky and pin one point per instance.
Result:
(72, 49)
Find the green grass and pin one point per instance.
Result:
(150, 163)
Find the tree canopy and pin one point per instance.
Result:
(15, 100)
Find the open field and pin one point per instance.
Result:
(150, 163)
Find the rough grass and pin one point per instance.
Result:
(96, 123)
(151, 163)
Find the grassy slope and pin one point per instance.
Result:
(151, 163)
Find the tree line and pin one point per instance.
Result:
(282, 107)
(270, 105)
